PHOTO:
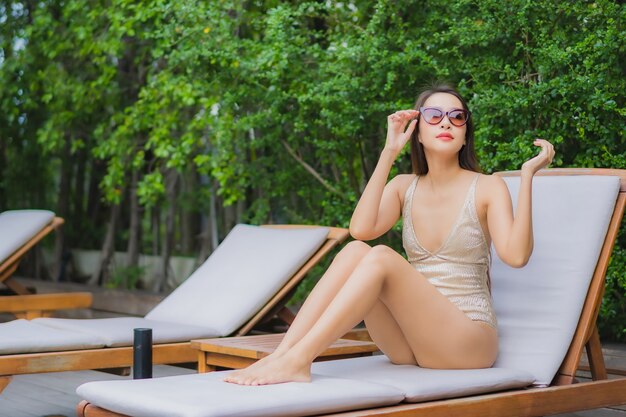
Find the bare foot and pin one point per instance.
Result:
(235, 375)
(285, 368)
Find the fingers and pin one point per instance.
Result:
(542, 160)
(547, 149)
(411, 128)
(403, 115)
(398, 133)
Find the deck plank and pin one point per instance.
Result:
(54, 394)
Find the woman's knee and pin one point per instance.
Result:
(355, 249)
(380, 255)
(378, 260)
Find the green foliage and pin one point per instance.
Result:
(280, 106)
(613, 309)
(126, 277)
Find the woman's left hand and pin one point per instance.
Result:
(540, 161)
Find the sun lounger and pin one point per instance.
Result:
(20, 231)
(244, 281)
(546, 311)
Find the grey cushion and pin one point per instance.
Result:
(538, 306)
(421, 384)
(206, 395)
(240, 277)
(23, 336)
(118, 331)
(17, 227)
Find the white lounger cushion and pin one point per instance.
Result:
(347, 384)
(118, 331)
(538, 306)
(17, 227)
(421, 384)
(23, 336)
(206, 395)
(240, 277)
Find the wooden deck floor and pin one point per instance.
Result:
(53, 394)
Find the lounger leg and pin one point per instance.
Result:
(85, 409)
(595, 357)
(286, 315)
(8, 271)
(80, 408)
(16, 287)
(121, 370)
(203, 368)
(31, 314)
(4, 381)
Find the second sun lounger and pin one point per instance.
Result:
(243, 281)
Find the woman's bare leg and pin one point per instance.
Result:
(439, 334)
(325, 290)
(385, 332)
(380, 320)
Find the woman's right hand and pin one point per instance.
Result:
(397, 132)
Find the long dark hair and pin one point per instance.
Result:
(467, 155)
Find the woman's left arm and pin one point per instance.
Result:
(513, 236)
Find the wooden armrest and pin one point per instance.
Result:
(359, 333)
(39, 305)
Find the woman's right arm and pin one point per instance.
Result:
(379, 207)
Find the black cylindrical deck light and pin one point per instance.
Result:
(142, 353)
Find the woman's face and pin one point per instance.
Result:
(444, 136)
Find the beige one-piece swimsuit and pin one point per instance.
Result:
(459, 269)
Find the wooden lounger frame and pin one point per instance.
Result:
(169, 353)
(565, 394)
(26, 305)
(9, 265)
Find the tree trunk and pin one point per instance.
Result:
(95, 212)
(230, 217)
(365, 172)
(209, 228)
(215, 236)
(240, 209)
(62, 210)
(134, 236)
(168, 242)
(155, 221)
(3, 163)
(103, 269)
(352, 176)
(78, 192)
(188, 216)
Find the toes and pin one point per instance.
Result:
(231, 377)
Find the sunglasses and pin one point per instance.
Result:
(434, 115)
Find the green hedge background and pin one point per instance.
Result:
(155, 126)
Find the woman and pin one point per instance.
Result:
(433, 310)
